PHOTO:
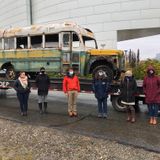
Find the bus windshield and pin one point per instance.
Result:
(89, 42)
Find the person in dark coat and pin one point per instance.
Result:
(22, 87)
(101, 88)
(43, 84)
(128, 90)
(151, 88)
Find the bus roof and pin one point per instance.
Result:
(45, 28)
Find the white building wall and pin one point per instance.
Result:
(103, 17)
(13, 13)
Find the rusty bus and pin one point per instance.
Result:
(56, 47)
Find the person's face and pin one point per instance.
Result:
(71, 72)
(22, 75)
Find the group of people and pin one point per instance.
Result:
(101, 89)
(151, 89)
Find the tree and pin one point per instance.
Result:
(140, 71)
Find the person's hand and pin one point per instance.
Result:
(66, 94)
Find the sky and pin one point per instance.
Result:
(149, 46)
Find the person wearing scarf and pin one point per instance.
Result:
(22, 87)
(128, 90)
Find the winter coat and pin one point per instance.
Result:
(101, 88)
(71, 83)
(20, 89)
(42, 83)
(151, 88)
(128, 89)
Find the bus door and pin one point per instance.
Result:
(70, 51)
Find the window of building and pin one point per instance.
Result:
(22, 43)
(52, 41)
(36, 42)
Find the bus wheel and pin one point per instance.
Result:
(106, 69)
(117, 105)
(10, 73)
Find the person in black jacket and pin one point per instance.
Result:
(22, 87)
(128, 90)
(43, 83)
(101, 88)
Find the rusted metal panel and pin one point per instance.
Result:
(46, 28)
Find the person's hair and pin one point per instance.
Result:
(97, 76)
(21, 72)
(42, 68)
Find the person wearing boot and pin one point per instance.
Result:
(151, 88)
(43, 84)
(128, 90)
(71, 88)
(101, 88)
(22, 87)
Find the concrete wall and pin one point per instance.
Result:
(103, 17)
(14, 13)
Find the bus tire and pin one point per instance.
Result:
(117, 105)
(10, 73)
(106, 69)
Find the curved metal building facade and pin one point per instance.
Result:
(104, 17)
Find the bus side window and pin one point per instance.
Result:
(52, 41)
(22, 43)
(9, 43)
(75, 41)
(66, 40)
(36, 41)
(1, 44)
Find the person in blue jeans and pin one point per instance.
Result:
(101, 88)
(22, 87)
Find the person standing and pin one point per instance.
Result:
(71, 88)
(128, 89)
(43, 84)
(101, 89)
(22, 87)
(151, 88)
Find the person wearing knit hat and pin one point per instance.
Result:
(43, 84)
(128, 73)
(128, 90)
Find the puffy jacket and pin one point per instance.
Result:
(101, 88)
(128, 89)
(151, 88)
(43, 83)
(71, 83)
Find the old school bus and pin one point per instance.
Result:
(56, 47)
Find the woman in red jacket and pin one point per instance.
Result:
(71, 88)
(151, 87)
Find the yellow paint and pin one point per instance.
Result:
(30, 54)
(1, 55)
(105, 52)
(10, 55)
(21, 55)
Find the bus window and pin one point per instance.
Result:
(89, 42)
(75, 41)
(66, 40)
(22, 43)
(9, 43)
(1, 43)
(52, 41)
(36, 41)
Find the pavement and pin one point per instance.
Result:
(115, 127)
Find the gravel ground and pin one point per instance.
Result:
(26, 142)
